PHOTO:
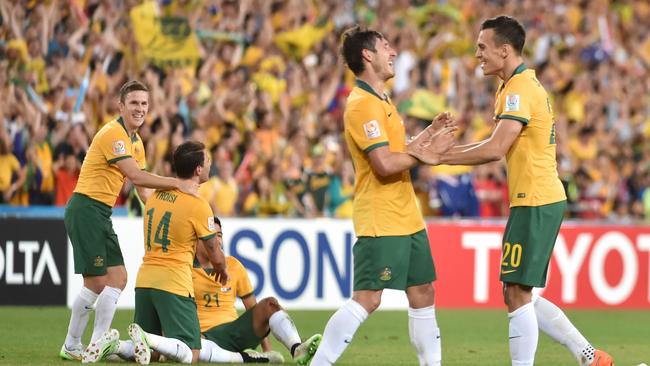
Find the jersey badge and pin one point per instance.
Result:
(211, 226)
(386, 274)
(372, 129)
(512, 102)
(99, 261)
(119, 147)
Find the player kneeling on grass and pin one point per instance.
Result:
(228, 335)
(164, 293)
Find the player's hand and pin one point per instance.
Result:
(429, 149)
(441, 121)
(188, 186)
(221, 275)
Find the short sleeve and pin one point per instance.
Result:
(114, 146)
(365, 123)
(203, 221)
(515, 103)
(244, 286)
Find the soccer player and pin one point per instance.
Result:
(116, 152)
(392, 250)
(227, 335)
(525, 135)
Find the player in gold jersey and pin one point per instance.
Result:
(525, 135)
(392, 250)
(228, 335)
(164, 294)
(115, 153)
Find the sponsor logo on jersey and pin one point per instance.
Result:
(372, 129)
(226, 289)
(512, 102)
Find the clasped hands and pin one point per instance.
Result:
(435, 140)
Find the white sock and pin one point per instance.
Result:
(79, 316)
(284, 330)
(171, 348)
(425, 335)
(211, 352)
(126, 350)
(105, 310)
(552, 321)
(339, 332)
(523, 335)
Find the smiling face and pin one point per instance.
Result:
(490, 55)
(134, 109)
(381, 60)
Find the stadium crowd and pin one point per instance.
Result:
(261, 84)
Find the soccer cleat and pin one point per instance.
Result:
(71, 354)
(102, 347)
(140, 344)
(306, 350)
(273, 356)
(601, 358)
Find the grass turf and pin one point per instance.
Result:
(33, 336)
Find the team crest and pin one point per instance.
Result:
(512, 102)
(386, 274)
(372, 129)
(119, 147)
(99, 261)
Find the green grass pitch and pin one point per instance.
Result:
(33, 336)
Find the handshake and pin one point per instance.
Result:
(435, 140)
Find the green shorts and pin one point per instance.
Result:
(94, 243)
(528, 243)
(237, 335)
(396, 262)
(163, 313)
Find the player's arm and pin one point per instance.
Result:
(139, 177)
(386, 163)
(491, 149)
(216, 258)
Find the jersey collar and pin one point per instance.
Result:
(521, 68)
(133, 137)
(365, 86)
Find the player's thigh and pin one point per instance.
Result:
(421, 269)
(528, 243)
(87, 223)
(237, 335)
(178, 317)
(146, 315)
(381, 262)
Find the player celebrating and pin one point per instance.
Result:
(525, 134)
(392, 250)
(115, 153)
(228, 335)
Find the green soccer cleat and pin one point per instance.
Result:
(102, 347)
(140, 344)
(306, 350)
(71, 354)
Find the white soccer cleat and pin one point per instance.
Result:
(71, 354)
(273, 356)
(140, 344)
(306, 350)
(102, 347)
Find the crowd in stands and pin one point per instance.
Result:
(261, 83)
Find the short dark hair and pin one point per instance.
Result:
(354, 41)
(507, 30)
(217, 221)
(187, 157)
(130, 86)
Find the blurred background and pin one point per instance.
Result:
(262, 85)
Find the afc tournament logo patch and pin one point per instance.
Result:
(119, 147)
(512, 102)
(211, 223)
(372, 129)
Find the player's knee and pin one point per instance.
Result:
(270, 304)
